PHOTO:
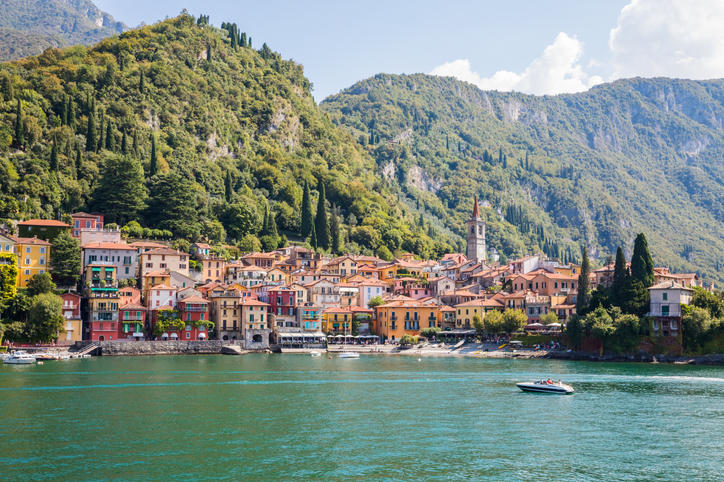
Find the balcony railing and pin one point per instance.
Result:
(196, 309)
(113, 317)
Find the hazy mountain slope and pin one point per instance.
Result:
(634, 155)
(27, 27)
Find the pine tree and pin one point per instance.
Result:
(307, 216)
(620, 271)
(54, 155)
(153, 168)
(228, 191)
(583, 284)
(19, 132)
(334, 230)
(322, 223)
(111, 137)
(124, 143)
(91, 137)
(642, 265)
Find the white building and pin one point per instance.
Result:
(665, 306)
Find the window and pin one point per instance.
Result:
(27, 271)
(42, 261)
(76, 224)
(149, 265)
(42, 250)
(666, 296)
(28, 249)
(665, 310)
(27, 260)
(188, 335)
(41, 271)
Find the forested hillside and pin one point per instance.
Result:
(592, 168)
(185, 127)
(28, 27)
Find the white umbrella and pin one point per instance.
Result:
(555, 325)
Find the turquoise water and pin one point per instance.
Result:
(294, 417)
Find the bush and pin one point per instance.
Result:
(408, 340)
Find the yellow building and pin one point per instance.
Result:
(337, 320)
(33, 257)
(398, 318)
(277, 275)
(465, 312)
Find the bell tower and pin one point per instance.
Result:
(476, 235)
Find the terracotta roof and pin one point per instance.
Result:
(165, 251)
(144, 244)
(670, 285)
(202, 245)
(447, 308)
(107, 246)
(250, 302)
(156, 273)
(30, 241)
(43, 222)
(164, 307)
(164, 287)
(82, 215)
(133, 306)
(194, 299)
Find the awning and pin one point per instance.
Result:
(139, 334)
(174, 335)
(95, 269)
(165, 335)
(202, 335)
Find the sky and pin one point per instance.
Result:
(541, 47)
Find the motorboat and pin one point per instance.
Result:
(45, 356)
(315, 353)
(546, 386)
(19, 357)
(349, 354)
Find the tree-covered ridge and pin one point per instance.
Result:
(593, 168)
(27, 27)
(174, 126)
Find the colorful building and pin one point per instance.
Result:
(132, 321)
(72, 321)
(44, 229)
(103, 302)
(33, 257)
(398, 318)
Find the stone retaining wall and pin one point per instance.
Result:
(179, 347)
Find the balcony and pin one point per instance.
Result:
(194, 309)
(101, 317)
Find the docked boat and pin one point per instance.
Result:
(349, 354)
(45, 357)
(315, 353)
(546, 386)
(19, 357)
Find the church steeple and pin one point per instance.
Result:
(476, 235)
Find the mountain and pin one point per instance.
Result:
(185, 127)
(592, 168)
(27, 27)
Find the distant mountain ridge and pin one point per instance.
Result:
(27, 27)
(562, 171)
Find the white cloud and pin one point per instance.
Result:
(672, 38)
(554, 72)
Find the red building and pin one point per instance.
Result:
(132, 321)
(192, 310)
(283, 304)
(86, 221)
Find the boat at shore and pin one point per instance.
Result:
(546, 386)
(349, 354)
(315, 353)
(19, 357)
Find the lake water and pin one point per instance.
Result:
(294, 417)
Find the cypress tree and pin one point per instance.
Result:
(124, 143)
(307, 216)
(101, 135)
(54, 155)
(250, 43)
(71, 114)
(228, 191)
(272, 225)
(321, 225)
(642, 265)
(135, 142)
(111, 137)
(265, 224)
(91, 138)
(620, 271)
(500, 155)
(208, 53)
(78, 163)
(447, 142)
(583, 284)
(527, 165)
(334, 230)
(153, 169)
(142, 84)
(313, 238)
(19, 133)
(64, 114)
(234, 44)
(243, 39)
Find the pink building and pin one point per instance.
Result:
(86, 221)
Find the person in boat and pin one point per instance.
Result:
(549, 382)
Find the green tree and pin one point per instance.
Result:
(708, 301)
(111, 137)
(249, 244)
(321, 225)
(65, 258)
(430, 332)
(124, 143)
(45, 318)
(479, 326)
(172, 205)
(696, 325)
(54, 156)
(40, 283)
(634, 297)
(514, 321)
(153, 168)
(574, 331)
(627, 333)
(121, 193)
(228, 190)
(313, 238)
(375, 302)
(493, 322)
(642, 265)
(334, 230)
(600, 325)
(583, 283)
(19, 132)
(91, 136)
(549, 318)
(135, 143)
(620, 271)
(385, 254)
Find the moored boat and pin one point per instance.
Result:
(349, 354)
(315, 353)
(546, 386)
(19, 357)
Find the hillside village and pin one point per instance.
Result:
(296, 297)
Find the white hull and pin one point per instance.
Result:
(348, 355)
(19, 361)
(539, 387)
